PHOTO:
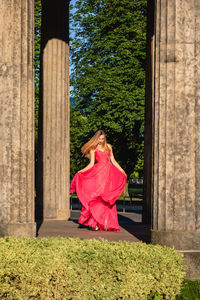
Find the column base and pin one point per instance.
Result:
(62, 214)
(18, 230)
(186, 242)
(180, 240)
(191, 261)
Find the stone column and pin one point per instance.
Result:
(148, 136)
(55, 110)
(176, 152)
(17, 118)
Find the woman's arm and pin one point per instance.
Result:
(114, 162)
(92, 161)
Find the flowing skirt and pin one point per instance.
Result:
(98, 189)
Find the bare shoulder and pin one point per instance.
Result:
(109, 146)
(91, 154)
(92, 151)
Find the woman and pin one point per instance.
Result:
(99, 185)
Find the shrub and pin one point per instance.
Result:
(73, 268)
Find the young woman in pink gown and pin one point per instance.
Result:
(99, 185)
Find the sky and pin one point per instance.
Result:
(72, 2)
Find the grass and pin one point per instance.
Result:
(190, 290)
(139, 198)
(135, 191)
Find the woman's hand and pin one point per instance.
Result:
(124, 173)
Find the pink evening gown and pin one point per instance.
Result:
(98, 189)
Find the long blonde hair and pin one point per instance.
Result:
(93, 142)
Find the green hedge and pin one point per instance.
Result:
(73, 268)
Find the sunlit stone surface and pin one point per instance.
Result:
(17, 118)
(54, 171)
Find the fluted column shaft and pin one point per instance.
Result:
(55, 101)
(149, 108)
(176, 132)
(17, 118)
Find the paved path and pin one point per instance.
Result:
(130, 223)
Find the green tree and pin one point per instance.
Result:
(108, 78)
(78, 137)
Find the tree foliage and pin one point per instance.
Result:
(108, 78)
(78, 126)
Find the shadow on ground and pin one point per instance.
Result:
(130, 222)
(138, 229)
(132, 228)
